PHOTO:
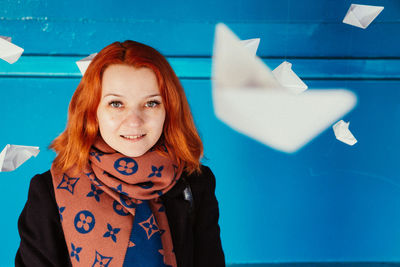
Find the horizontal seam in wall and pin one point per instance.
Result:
(208, 78)
(210, 57)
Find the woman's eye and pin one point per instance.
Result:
(152, 104)
(115, 104)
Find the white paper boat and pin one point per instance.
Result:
(343, 134)
(83, 64)
(248, 98)
(288, 78)
(14, 156)
(362, 15)
(9, 51)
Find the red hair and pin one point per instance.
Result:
(180, 135)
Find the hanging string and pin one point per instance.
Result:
(287, 29)
(349, 49)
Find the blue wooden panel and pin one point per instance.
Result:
(33, 112)
(329, 201)
(196, 38)
(317, 264)
(200, 68)
(287, 28)
(206, 10)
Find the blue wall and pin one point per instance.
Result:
(327, 202)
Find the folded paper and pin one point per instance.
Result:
(251, 44)
(9, 51)
(362, 15)
(342, 133)
(235, 66)
(248, 98)
(283, 121)
(83, 64)
(7, 38)
(288, 78)
(14, 156)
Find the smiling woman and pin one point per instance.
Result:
(127, 187)
(179, 132)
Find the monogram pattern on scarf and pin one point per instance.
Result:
(97, 208)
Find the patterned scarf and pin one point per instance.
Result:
(97, 207)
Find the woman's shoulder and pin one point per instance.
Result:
(42, 238)
(204, 174)
(197, 182)
(203, 180)
(41, 183)
(41, 179)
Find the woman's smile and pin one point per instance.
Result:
(133, 138)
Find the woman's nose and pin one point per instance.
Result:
(134, 118)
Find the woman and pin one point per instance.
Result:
(126, 187)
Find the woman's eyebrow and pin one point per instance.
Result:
(112, 94)
(118, 95)
(152, 95)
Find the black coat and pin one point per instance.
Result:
(194, 224)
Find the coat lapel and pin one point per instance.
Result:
(179, 211)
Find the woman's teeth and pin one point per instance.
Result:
(132, 136)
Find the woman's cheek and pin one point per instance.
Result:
(113, 120)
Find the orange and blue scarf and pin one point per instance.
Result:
(111, 213)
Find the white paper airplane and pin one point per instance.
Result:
(288, 78)
(342, 133)
(83, 64)
(362, 15)
(251, 44)
(250, 100)
(9, 51)
(13, 156)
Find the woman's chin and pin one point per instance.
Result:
(132, 153)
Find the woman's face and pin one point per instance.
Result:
(131, 114)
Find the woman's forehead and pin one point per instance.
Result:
(126, 80)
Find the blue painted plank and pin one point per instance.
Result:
(200, 68)
(287, 28)
(329, 201)
(33, 112)
(317, 264)
(181, 10)
(308, 39)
